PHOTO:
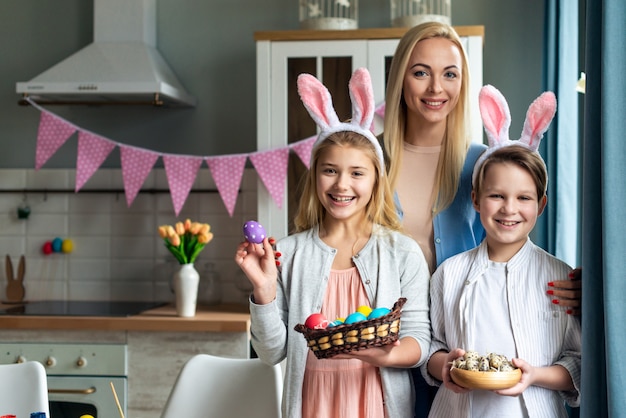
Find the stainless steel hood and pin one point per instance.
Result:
(121, 66)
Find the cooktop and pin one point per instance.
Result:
(80, 308)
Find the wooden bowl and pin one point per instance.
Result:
(485, 380)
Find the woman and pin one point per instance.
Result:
(430, 155)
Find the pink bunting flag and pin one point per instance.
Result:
(227, 172)
(181, 172)
(136, 165)
(272, 169)
(92, 151)
(53, 132)
(303, 150)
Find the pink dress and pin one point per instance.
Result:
(342, 388)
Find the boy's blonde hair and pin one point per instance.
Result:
(379, 210)
(521, 156)
(456, 141)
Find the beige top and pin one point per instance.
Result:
(415, 188)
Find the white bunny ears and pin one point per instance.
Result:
(496, 116)
(318, 103)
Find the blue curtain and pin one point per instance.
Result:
(558, 228)
(604, 203)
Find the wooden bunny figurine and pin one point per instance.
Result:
(15, 285)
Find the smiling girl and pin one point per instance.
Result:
(347, 252)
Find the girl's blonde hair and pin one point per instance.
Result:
(379, 210)
(456, 141)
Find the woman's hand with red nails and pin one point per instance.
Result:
(277, 254)
(567, 292)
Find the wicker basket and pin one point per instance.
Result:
(377, 332)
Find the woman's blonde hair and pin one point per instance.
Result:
(379, 210)
(456, 141)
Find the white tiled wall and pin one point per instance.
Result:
(117, 253)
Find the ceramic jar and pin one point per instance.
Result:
(186, 281)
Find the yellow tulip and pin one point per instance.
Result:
(189, 230)
(195, 228)
(174, 240)
(163, 231)
(205, 229)
(205, 238)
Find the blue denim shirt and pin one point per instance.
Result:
(457, 228)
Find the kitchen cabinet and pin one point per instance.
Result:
(158, 343)
(332, 56)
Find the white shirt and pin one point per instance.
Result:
(489, 318)
(543, 333)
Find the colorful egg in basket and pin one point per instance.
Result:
(344, 338)
(490, 372)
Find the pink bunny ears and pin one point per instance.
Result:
(496, 116)
(319, 104)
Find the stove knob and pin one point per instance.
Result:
(51, 361)
(81, 362)
(20, 359)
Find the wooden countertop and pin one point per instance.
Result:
(220, 318)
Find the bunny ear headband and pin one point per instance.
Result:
(497, 119)
(319, 104)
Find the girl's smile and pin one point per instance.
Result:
(345, 181)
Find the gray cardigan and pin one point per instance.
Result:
(391, 265)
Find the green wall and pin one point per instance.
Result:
(210, 46)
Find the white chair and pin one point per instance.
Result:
(23, 389)
(218, 387)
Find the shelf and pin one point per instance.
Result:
(374, 33)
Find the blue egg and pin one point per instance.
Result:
(378, 312)
(355, 317)
(57, 244)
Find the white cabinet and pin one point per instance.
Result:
(331, 56)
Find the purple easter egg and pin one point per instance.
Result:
(254, 232)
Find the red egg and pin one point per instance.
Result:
(316, 321)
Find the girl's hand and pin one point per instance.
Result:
(402, 353)
(567, 293)
(445, 371)
(376, 356)
(528, 377)
(258, 263)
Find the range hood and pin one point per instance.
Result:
(121, 66)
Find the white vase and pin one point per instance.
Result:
(186, 281)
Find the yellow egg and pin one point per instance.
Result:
(365, 310)
(67, 246)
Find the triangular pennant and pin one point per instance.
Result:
(136, 165)
(53, 132)
(92, 151)
(303, 149)
(227, 172)
(272, 169)
(181, 172)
